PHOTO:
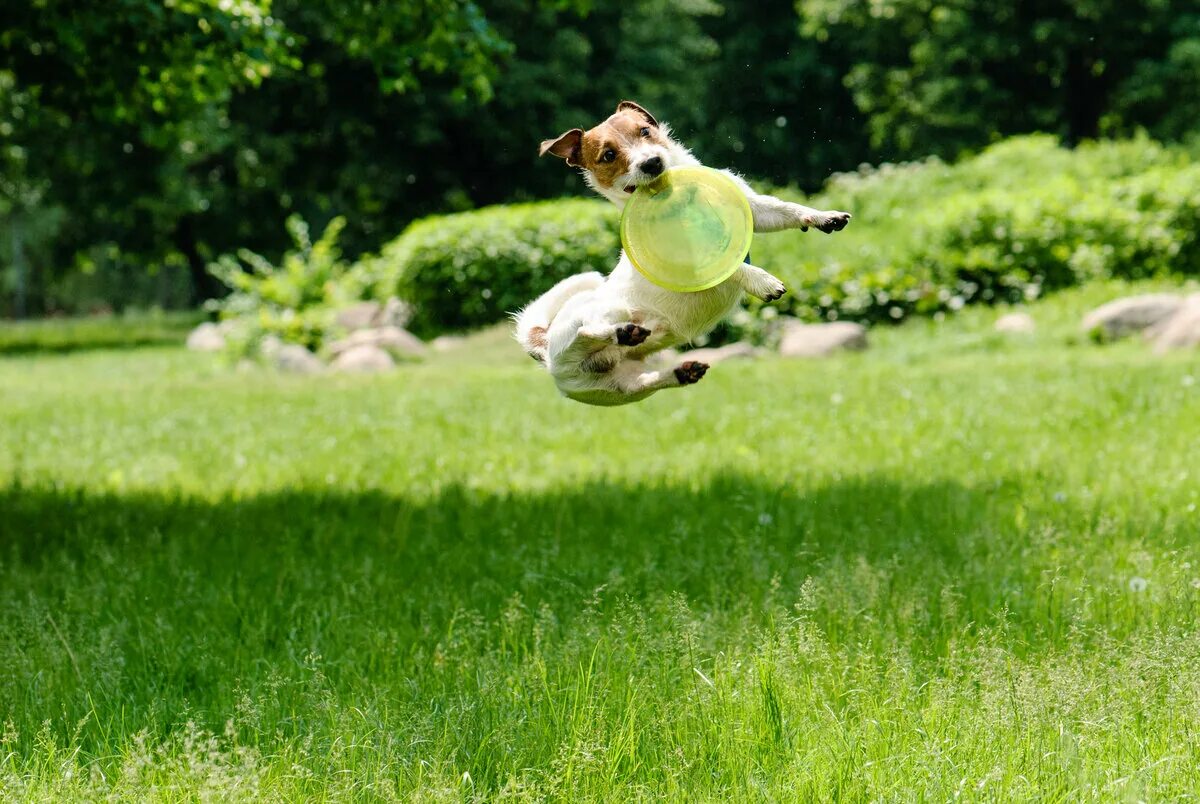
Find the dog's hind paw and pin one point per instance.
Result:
(775, 292)
(690, 372)
(631, 335)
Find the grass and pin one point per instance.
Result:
(127, 331)
(958, 565)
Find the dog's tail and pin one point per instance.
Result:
(533, 322)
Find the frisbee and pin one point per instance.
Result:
(688, 230)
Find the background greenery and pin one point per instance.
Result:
(141, 139)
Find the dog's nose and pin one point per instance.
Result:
(652, 166)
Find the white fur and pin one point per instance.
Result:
(576, 326)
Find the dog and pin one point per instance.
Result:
(594, 333)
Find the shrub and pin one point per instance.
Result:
(295, 301)
(472, 268)
(1023, 217)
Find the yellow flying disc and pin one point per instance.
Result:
(689, 230)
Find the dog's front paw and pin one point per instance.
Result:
(631, 335)
(830, 222)
(690, 372)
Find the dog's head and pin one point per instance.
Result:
(628, 149)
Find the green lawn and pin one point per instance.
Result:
(958, 565)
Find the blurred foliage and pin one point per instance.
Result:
(1024, 217)
(131, 329)
(470, 269)
(940, 77)
(148, 135)
(295, 301)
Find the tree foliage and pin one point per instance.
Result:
(155, 135)
(941, 76)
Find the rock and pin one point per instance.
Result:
(295, 358)
(399, 342)
(821, 340)
(359, 316)
(364, 358)
(269, 346)
(1015, 323)
(1182, 330)
(395, 313)
(1131, 314)
(446, 343)
(207, 337)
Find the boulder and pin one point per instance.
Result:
(295, 358)
(821, 340)
(395, 313)
(359, 316)
(400, 343)
(207, 337)
(446, 343)
(1182, 330)
(1131, 314)
(373, 315)
(363, 359)
(1015, 323)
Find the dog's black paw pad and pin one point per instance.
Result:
(632, 335)
(690, 372)
(836, 223)
(775, 294)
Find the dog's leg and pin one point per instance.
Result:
(635, 377)
(759, 284)
(623, 334)
(533, 322)
(774, 215)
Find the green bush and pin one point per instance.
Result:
(128, 330)
(471, 269)
(1023, 217)
(297, 300)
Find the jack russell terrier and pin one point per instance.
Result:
(593, 333)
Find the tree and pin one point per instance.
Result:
(941, 76)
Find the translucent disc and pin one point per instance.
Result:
(689, 230)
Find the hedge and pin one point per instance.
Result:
(1023, 217)
(473, 268)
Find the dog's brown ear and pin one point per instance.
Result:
(633, 107)
(568, 146)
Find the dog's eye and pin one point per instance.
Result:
(645, 132)
(608, 155)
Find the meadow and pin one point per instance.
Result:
(958, 565)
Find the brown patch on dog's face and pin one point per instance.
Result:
(604, 150)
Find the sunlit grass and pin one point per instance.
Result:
(956, 565)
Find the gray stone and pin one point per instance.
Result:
(400, 343)
(446, 343)
(207, 337)
(821, 340)
(395, 313)
(359, 316)
(1131, 314)
(1015, 323)
(269, 346)
(363, 359)
(1182, 330)
(296, 359)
